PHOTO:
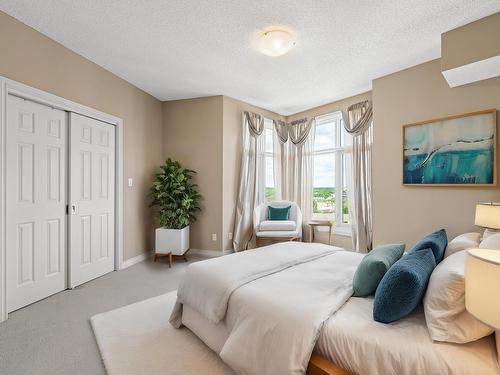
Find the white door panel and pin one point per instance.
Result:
(92, 198)
(35, 201)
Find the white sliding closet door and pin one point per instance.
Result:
(35, 201)
(92, 198)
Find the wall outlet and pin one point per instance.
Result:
(230, 235)
(214, 236)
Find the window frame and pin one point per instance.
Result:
(339, 152)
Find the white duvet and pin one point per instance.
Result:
(274, 301)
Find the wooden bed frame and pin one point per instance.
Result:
(319, 365)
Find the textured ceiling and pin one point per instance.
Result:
(176, 49)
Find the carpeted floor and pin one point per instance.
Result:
(138, 339)
(54, 336)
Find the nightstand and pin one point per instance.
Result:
(320, 223)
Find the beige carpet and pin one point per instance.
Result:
(137, 339)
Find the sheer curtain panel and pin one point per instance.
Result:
(250, 191)
(358, 123)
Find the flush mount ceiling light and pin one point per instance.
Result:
(275, 41)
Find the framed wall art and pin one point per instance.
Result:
(451, 151)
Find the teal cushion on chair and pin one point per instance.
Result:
(281, 213)
(373, 268)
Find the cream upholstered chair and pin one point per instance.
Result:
(277, 230)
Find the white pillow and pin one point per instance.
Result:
(444, 304)
(463, 242)
(489, 232)
(491, 242)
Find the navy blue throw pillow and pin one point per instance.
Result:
(403, 286)
(436, 241)
(279, 213)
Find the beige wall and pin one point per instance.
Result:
(331, 107)
(31, 58)
(205, 134)
(193, 136)
(470, 43)
(232, 150)
(420, 93)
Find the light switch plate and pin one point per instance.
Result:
(130, 182)
(214, 236)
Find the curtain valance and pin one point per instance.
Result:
(358, 117)
(297, 131)
(255, 123)
(281, 130)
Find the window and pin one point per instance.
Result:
(329, 173)
(269, 186)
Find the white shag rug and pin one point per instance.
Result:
(138, 339)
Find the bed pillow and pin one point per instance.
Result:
(463, 242)
(374, 266)
(278, 213)
(489, 232)
(435, 241)
(403, 286)
(492, 242)
(444, 304)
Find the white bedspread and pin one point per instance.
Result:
(207, 285)
(280, 296)
(354, 341)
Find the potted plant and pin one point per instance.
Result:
(175, 198)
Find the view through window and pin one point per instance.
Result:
(329, 174)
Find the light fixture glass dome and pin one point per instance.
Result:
(275, 41)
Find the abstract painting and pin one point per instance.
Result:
(456, 150)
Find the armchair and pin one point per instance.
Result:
(277, 230)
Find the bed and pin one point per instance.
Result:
(347, 341)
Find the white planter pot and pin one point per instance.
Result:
(172, 240)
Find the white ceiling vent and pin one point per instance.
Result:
(471, 53)
(476, 71)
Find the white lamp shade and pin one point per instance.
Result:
(482, 284)
(488, 215)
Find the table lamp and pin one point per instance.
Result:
(488, 216)
(482, 273)
(482, 283)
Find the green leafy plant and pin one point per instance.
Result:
(174, 196)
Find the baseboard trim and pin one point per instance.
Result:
(142, 257)
(137, 259)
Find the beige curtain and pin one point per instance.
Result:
(250, 191)
(298, 130)
(297, 167)
(281, 130)
(358, 123)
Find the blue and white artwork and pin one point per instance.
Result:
(459, 150)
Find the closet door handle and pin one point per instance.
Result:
(73, 209)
